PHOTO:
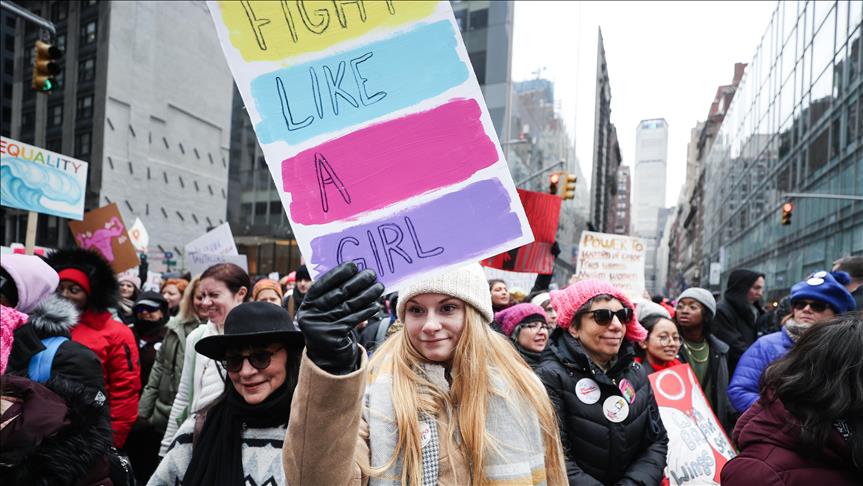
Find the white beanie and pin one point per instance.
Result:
(645, 308)
(540, 299)
(703, 296)
(467, 283)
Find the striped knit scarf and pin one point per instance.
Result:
(516, 455)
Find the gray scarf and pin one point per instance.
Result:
(516, 450)
(795, 329)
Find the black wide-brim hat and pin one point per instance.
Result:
(253, 323)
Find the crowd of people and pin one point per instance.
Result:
(221, 380)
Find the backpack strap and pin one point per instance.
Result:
(39, 369)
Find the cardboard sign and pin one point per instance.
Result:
(697, 446)
(35, 179)
(375, 132)
(614, 258)
(103, 230)
(198, 262)
(543, 214)
(139, 236)
(153, 283)
(218, 241)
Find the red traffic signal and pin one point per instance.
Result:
(787, 209)
(553, 179)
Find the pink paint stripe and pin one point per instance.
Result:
(388, 162)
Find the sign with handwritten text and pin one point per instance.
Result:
(697, 446)
(217, 241)
(614, 258)
(197, 263)
(103, 230)
(375, 132)
(35, 179)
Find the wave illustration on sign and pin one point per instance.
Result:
(28, 185)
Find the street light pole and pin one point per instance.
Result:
(538, 173)
(815, 195)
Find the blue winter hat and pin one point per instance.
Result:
(827, 287)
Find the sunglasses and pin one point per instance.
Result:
(815, 306)
(258, 359)
(603, 317)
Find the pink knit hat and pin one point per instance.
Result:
(511, 317)
(567, 301)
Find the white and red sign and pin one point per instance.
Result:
(697, 446)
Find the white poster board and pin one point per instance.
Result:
(616, 259)
(218, 241)
(198, 262)
(375, 132)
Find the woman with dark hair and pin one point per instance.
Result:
(130, 288)
(88, 281)
(736, 314)
(806, 427)
(238, 438)
(705, 353)
(609, 421)
(223, 287)
(659, 349)
(526, 326)
(500, 298)
(821, 296)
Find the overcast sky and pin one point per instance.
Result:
(665, 60)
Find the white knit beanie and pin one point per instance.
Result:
(467, 283)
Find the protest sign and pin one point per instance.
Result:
(614, 258)
(514, 280)
(139, 236)
(198, 262)
(35, 179)
(153, 283)
(103, 230)
(543, 213)
(375, 132)
(697, 446)
(218, 241)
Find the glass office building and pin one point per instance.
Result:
(795, 126)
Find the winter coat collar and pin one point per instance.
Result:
(95, 319)
(55, 316)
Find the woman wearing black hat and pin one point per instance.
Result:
(238, 439)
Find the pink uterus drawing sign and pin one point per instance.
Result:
(102, 238)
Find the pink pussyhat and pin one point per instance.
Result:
(568, 301)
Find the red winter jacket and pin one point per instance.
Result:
(114, 344)
(772, 455)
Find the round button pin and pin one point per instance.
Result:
(587, 391)
(615, 408)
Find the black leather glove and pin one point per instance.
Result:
(333, 306)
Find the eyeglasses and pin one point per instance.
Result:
(258, 359)
(535, 325)
(667, 340)
(815, 306)
(603, 317)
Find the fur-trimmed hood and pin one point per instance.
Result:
(54, 316)
(104, 288)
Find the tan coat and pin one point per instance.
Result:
(327, 427)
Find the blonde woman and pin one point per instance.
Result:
(446, 401)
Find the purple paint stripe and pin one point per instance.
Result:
(385, 163)
(457, 227)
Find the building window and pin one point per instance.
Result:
(88, 33)
(9, 44)
(55, 145)
(477, 59)
(59, 11)
(9, 67)
(478, 19)
(180, 215)
(82, 144)
(55, 115)
(85, 107)
(461, 19)
(182, 183)
(87, 70)
(60, 42)
(164, 213)
(28, 120)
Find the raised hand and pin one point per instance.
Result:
(334, 305)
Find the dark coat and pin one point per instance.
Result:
(772, 455)
(78, 454)
(734, 322)
(598, 451)
(717, 380)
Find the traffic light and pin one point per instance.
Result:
(569, 186)
(45, 66)
(787, 209)
(553, 179)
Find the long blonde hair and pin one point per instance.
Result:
(187, 303)
(479, 349)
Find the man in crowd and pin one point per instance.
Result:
(738, 311)
(853, 266)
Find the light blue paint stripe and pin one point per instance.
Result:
(378, 78)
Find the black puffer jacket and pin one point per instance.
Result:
(78, 454)
(598, 451)
(735, 320)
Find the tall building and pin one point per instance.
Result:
(606, 150)
(260, 225)
(794, 126)
(648, 189)
(621, 206)
(687, 229)
(149, 113)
